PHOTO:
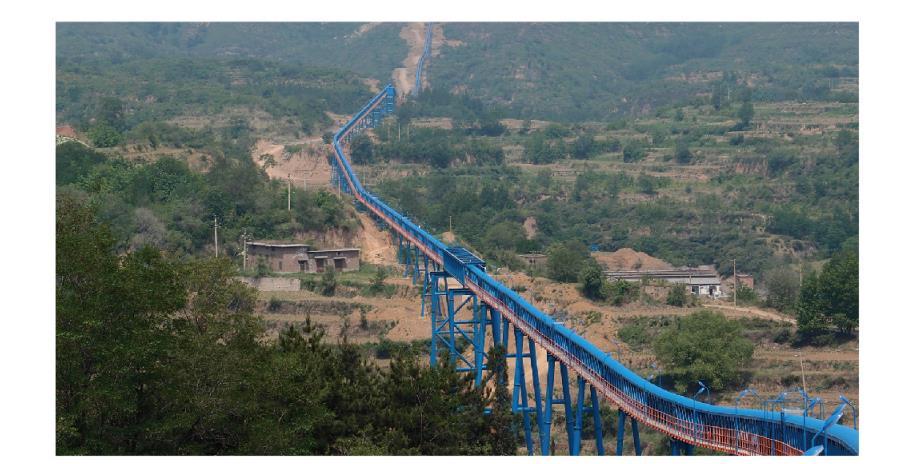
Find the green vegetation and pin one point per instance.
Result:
(829, 299)
(746, 295)
(594, 285)
(783, 287)
(603, 71)
(162, 356)
(136, 102)
(773, 201)
(373, 53)
(438, 148)
(677, 296)
(703, 346)
(168, 205)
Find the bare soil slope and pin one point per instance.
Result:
(627, 259)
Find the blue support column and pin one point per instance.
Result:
(566, 392)
(680, 448)
(536, 390)
(425, 285)
(597, 422)
(620, 436)
(578, 422)
(545, 425)
(520, 396)
(495, 328)
(437, 319)
(481, 323)
(635, 434)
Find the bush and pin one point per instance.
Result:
(328, 283)
(704, 346)
(566, 260)
(634, 151)
(783, 286)
(636, 335)
(103, 136)
(676, 296)
(621, 292)
(593, 282)
(378, 284)
(746, 295)
(683, 154)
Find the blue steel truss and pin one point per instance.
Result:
(464, 302)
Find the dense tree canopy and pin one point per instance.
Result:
(704, 346)
(829, 299)
(161, 356)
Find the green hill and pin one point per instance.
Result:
(372, 53)
(600, 71)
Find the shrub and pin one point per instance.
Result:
(746, 295)
(704, 346)
(676, 296)
(328, 283)
(103, 136)
(621, 292)
(634, 151)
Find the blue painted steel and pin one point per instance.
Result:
(640, 398)
(420, 69)
(832, 420)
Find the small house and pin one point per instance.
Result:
(299, 257)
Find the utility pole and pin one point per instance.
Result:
(216, 250)
(399, 132)
(288, 192)
(735, 288)
(245, 247)
(450, 224)
(802, 373)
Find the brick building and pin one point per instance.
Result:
(299, 257)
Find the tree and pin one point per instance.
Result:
(504, 235)
(110, 112)
(104, 136)
(362, 151)
(646, 184)
(745, 114)
(592, 281)
(783, 287)
(746, 295)
(378, 284)
(704, 346)
(680, 115)
(683, 154)
(633, 151)
(583, 147)
(830, 299)
(676, 296)
(328, 283)
(718, 95)
(622, 291)
(566, 260)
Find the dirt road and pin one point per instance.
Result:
(753, 312)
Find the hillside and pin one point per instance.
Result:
(601, 71)
(369, 51)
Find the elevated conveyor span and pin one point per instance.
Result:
(688, 422)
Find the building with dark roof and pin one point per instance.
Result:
(299, 257)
